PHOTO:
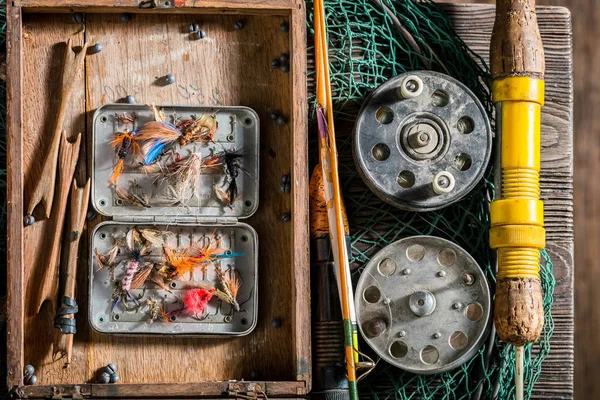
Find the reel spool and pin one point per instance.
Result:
(423, 305)
(422, 141)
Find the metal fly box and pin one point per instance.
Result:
(175, 259)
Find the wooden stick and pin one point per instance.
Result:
(63, 338)
(67, 160)
(44, 188)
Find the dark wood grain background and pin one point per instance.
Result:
(586, 147)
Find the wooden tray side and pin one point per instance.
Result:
(299, 161)
(14, 151)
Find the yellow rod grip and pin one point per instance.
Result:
(517, 218)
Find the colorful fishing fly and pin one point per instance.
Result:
(155, 137)
(195, 302)
(183, 177)
(197, 129)
(184, 260)
(137, 269)
(230, 285)
(230, 161)
(125, 144)
(159, 134)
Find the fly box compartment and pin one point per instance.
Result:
(214, 299)
(200, 161)
(170, 165)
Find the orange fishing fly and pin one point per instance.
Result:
(125, 143)
(179, 261)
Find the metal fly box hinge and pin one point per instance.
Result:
(245, 390)
(176, 219)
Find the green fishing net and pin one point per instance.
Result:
(366, 47)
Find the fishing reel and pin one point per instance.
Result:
(423, 305)
(422, 141)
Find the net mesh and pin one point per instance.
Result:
(366, 47)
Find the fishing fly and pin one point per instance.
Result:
(156, 136)
(184, 260)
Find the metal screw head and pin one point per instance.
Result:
(275, 63)
(457, 306)
(468, 279)
(196, 35)
(286, 217)
(111, 368)
(437, 335)
(169, 79)
(28, 220)
(422, 303)
(238, 25)
(104, 377)
(284, 57)
(91, 214)
(78, 18)
(276, 323)
(129, 99)
(28, 370)
(401, 333)
(386, 301)
(284, 27)
(30, 380)
(285, 186)
(125, 17)
(285, 68)
(281, 120)
(441, 274)
(406, 271)
(193, 28)
(423, 138)
(443, 181)
(97, 48)
(274, 115)
(114, 378)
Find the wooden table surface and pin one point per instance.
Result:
(474, 24)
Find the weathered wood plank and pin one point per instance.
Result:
(299, 161)
(161, 390)
(14, 209)
(233, 5)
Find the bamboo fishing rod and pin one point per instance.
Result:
(328, 158)
(517, 217)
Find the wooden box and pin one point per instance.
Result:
(228, 67)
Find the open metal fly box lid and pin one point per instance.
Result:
(189, 212)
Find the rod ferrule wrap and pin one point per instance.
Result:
(517, 219)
